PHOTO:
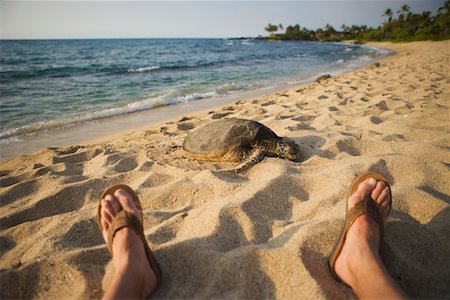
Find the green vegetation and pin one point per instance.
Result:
(407, 26)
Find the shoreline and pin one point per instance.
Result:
(104, 129)
(239, 236)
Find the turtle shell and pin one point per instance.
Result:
(219, 137)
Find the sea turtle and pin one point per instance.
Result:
(239, 140)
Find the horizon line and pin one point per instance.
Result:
(122, 38)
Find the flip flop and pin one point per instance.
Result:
(367, 207)
(125, 219)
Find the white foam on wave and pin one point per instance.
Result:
(339, 61)
(10, 140)
(227, 88)
(143, 69)
(13, 135)
(171, 97)
(247, 42)
(379, 51)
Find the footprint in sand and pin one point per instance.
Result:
(300, 126)
(288, 193)
(125, 164)
(382, 105)
(216, 116)
(18, 191)
(146, 166)
(185, 126)
(364, 99)
(375, 120)
(6, 180)
(69, 198)
(6, 244)
(303, 118)
(38, 278)
(271, 102)
(75, 156)
(282, 117)
(349, 146)
(91, 265)
(333, 108)
(82, 234)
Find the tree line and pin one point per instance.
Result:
(406, 26)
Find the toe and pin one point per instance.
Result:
(385, 201)
(375, 195)
(367, 186)
(114, 203)
(107, 209)
(106, 216)
(364, 190)
(127, 202)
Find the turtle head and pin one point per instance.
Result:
(287, 148)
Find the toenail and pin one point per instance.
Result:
(372, 181)
(120, 193)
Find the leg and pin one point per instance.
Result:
(132, 278)
(359, 264)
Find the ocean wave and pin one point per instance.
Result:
(144, 69)
(169, 98)
(230, 87)
(339, 61)
(247, 42)
(189, 71)
(47, 71)
(43, 126)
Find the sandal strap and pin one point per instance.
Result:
(369, 208)
(121, 220)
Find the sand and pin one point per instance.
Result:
(265, 233)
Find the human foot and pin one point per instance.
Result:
(355, 259)
(120, 213)
(362, 241)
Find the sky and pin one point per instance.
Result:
(169, 19)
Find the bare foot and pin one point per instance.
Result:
(363, 241)
(133, 278)
(359, 265)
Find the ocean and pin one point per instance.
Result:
(56, 84)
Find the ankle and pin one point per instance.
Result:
(361, 248)
(365, 234)
(130, 261)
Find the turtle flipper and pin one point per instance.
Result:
(255, 156)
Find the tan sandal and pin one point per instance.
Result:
(125, 219)
(367, 207)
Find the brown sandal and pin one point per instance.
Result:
(125, 219)
(367, 207)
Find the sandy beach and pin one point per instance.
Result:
(263, 233)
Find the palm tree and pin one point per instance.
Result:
(271, 28)
(388, 13)
(345, 28)
(405, 9)
(426, 18)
